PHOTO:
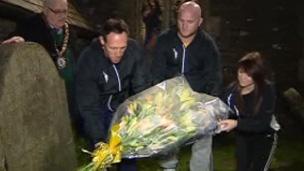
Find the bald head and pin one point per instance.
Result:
(190, 7)
(188, 20)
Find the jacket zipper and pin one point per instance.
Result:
(118, 78)
(109, 103)
(119, 88)
(184, 58)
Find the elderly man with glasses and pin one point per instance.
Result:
(51, 30)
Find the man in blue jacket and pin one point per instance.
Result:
(188, 50)
(108, 72)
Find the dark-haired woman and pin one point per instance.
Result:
(252, 99)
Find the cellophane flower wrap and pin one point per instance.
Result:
(158, 120)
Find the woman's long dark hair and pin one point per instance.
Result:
(254, 65)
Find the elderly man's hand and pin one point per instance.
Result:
(14, 39)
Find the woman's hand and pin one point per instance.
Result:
(228, 124)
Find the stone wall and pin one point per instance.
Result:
(271, 27)
(130, 10)
(301, 32)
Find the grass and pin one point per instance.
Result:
(288, 157)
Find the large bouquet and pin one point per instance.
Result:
(157, 120)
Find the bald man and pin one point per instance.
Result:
(51, 30)
(188, 50)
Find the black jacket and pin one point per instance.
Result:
(101, 84)
(199, 62)
(35, 29)
(250, 122)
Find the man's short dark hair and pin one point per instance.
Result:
(114, 25)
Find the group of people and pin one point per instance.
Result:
(112, 68)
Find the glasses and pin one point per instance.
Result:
(58, 11)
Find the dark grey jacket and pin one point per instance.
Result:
(100, 82)
(250, 123)
(101, 85)
(199, 62)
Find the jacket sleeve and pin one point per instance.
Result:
(140, 78)
(20, 30)
(261, 121)
(25, 29)
(214, 71)
(228, 97)
(88, 94)
(158, 67)
(209, 78)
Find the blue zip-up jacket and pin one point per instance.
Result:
(102, 86)
(199, 61)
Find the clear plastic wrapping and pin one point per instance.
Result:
(164, 117)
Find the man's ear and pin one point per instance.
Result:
(101, 40)
(201, 21)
